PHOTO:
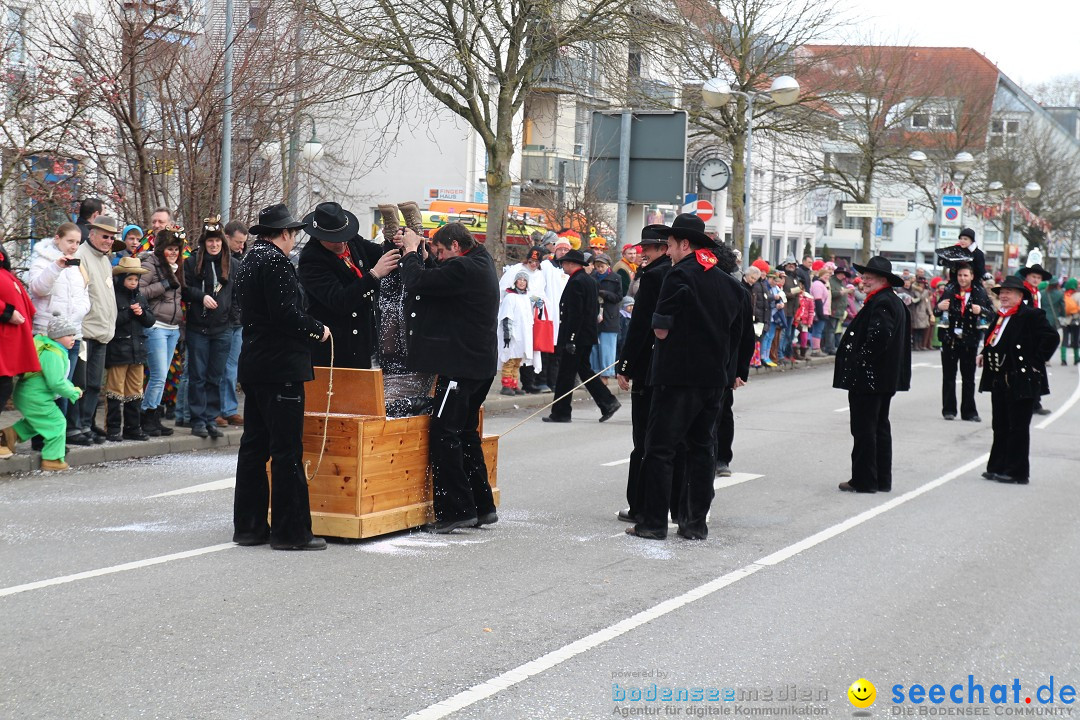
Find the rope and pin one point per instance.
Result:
(581, 384)
(326, 419)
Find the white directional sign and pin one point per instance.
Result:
(868, 210)
(892, 208)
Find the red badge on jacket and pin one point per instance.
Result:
(705, 259)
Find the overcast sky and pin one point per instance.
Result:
(1031, 41)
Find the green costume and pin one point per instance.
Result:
(35, 397)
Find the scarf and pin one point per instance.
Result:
(996, 330)
(1034, 290)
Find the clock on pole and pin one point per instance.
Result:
(714, 174)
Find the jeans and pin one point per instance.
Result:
(817, 327)
(206, 356)
(787, 339)
(230, 403)
(603, 354)
(766, 343)
(459, 479)
(160, 346)
(81, 413)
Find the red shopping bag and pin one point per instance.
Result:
(543, 332)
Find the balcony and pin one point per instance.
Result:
(564, 75)
(541, 166)
(653, 93)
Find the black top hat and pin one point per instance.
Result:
(331, 222)
(1012, 282)
(654, 235)
(1036, 268)
(574, 256)
(878, 265)
(688, 226)
(274, 218)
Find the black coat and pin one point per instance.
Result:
(967, 321)
(128, 346)
(761, 302)
(234, 303)
(611, 295)
(278, 332)
(578, 309)
(636, 356)
(452, 315)
(1017, 362)
(197, 286)
(705, 313)
(339, 298)
(874, 356)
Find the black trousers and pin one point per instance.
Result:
(7, 385)
(273, 430)
(679, 416)
(953, 355)
(90, 376)
(578, 366)
(458, 472)
(725, 428)
(1011, 450)
(550, 374)
(640, 403)
(871, 453)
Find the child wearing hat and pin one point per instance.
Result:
(125, 354)
(516, 334)
(36, 393)
(132, 237)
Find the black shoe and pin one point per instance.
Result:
(82, 439)
(136, 434)
(315, 543)
(612, 409)
(848, 487)
(94, 429)
(690, 534)
(949, 416)
(170, 412)
(973, 418)
(646, 534)
(1003, 478)
(200, 431)
(445, 527)
(165, 431)
(97, 439)
(722, 470)
(543, 389)
(507, 391)
(114, 436)
(251, 540)
(214, 431)
(487, 519)
(625, 516)
(989, 475)
(182, 423)
(552, 418)
(1043, 411)
(37, 443)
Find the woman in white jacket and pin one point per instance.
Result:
(56, 286)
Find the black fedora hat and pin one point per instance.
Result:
(878, 265)
(1036, 268)
(331, 222)
(1012, 282)
(688, 226)
(274, 218)
(653, 235)
(574, 256)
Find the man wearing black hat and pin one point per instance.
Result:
(340, 272)
(1032, 277)
(636, 356)
(578, 332)
(699, 317)
(1018, 345)
(966, 303)
(872, 364)
(275, 362)
(452, 310)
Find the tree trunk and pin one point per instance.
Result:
(867, 249)
(499, 186)
(737, 194)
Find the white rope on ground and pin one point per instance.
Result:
(581, 384)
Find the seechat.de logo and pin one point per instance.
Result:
(862, 693)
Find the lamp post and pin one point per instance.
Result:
(716, 93)
(963, 163)
(997, 190)
(311, 150)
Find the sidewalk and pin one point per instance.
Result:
(26, 460)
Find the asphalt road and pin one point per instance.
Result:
(553, 612)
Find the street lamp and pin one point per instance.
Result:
(716, 93)
(1031, 190)
(962, 163)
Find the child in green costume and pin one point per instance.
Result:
(36, 392)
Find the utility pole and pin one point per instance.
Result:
(294, 125)
(226, 120)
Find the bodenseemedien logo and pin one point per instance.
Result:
(862, 693)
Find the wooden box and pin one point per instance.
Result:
(374, 477)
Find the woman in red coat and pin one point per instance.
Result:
(17, 352)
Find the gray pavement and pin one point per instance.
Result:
(798, 584)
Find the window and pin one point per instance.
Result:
(582, 119)
(887, 230)
(1004, 132)
(256, 16)
(933, 115)
(16, 35)
(633, 68)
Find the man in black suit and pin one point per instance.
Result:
(698, 318)
(966, 303)
(275, 362)
(636, 357)
(451, 312)
(1018, 345)
(340, 273)
(578, 311)
(872, 364)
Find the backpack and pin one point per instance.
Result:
(1071, 306)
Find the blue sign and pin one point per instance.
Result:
(952, 200)
(879, 227)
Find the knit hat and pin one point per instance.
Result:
(1043, 285)
(817, 265)
(60, 326)
(627, 302)
(761, 265)
(935, 281)
(563, 242)
(521, 275)
(1071, 284)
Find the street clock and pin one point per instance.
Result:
(714, 174)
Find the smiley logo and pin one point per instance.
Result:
(862, 693)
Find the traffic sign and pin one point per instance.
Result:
(704, 210)
(893, 208)
(952, 210)
(867, 210)
(879, 227)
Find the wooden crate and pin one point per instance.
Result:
(374, 476)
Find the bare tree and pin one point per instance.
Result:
(1060, 91)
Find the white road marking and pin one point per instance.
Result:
(843, 409)
(1073, 399)
(613, 463)
(225, 484)
(735, 479)
(915, 365)
(15, 589)
(545, 662)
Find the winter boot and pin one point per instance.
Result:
(507, 386)
(112, 418)
(132, 423)
(413, 219)
(165, 431)
(390, 224)
(147, 423)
